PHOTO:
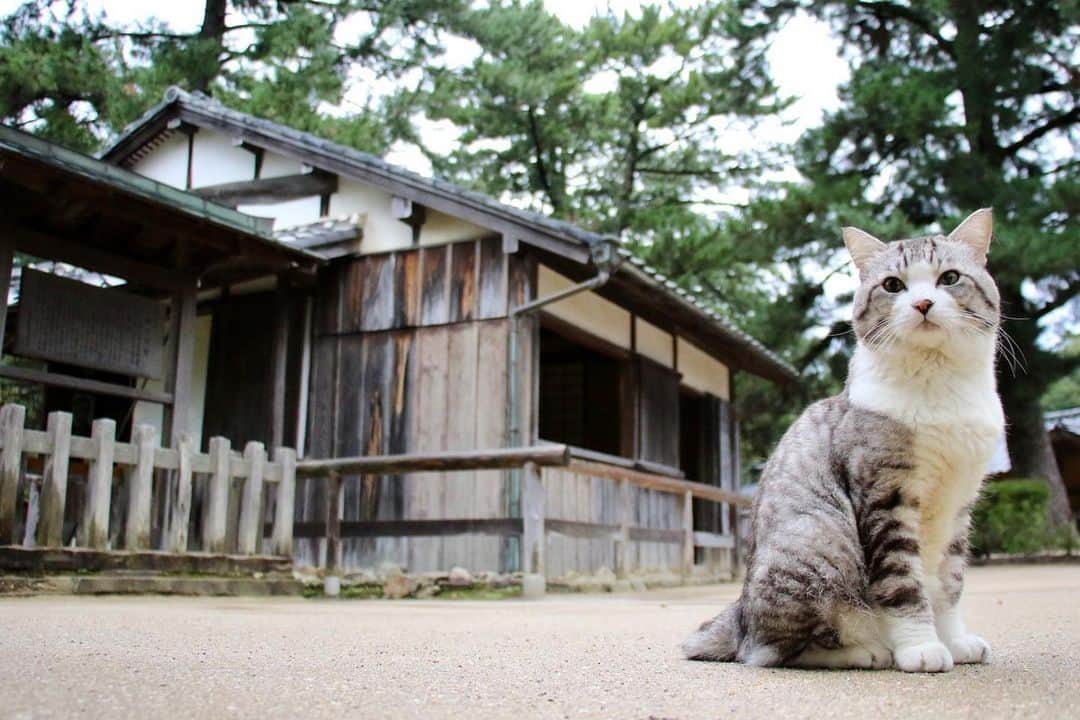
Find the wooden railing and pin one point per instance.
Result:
(533, 523)
(57, 448)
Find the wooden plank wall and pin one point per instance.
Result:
(575, 497)
(410, 356)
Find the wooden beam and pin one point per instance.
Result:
(280, 365)
(657, 482)
(49, 247)
(414, 528)
(77, 383)
(713, 540)
(533, 511)
(12, 420)
(180, 381)
(7, 257)
(264, 191)
(580, 529)
(687, 564)
(500, 458)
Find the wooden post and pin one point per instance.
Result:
(626, 517)
(94, 528)
(141, 490)
(286, 497)
(12, 418)
(7, 259)
(182, 338)
(217, 500)
(250, 530)
(181, 506)
(333, 523)
(50, 531)
(688, 535)
(532, 515)
(280, 363)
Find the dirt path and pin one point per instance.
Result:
(599, 656)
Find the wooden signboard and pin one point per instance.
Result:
(67, 321)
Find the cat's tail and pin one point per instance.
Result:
(716, 639)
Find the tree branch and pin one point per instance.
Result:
(1063, 120)
(1061, 298)
(899, 12)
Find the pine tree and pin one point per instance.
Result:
(951, 106)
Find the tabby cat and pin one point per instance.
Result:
(860, 526)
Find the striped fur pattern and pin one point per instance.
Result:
(859, 530)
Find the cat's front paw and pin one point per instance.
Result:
(926, 657)
(969, 649)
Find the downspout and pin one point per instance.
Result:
(606, 259)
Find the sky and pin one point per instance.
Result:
(804, 58)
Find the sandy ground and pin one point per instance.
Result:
(598, 656)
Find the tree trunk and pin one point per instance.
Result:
(212, 39)
(1029, 443)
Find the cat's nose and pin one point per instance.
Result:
(923, 305)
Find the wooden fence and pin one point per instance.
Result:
(533, 526)
(56, 451)
(269, 488)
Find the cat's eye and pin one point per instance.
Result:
(949, 277)
(892, 284)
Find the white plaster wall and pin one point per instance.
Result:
(654, 343)
(441, 228)
(587, 310)
(274, 165)
(167, 163)
(290, 213)
(216, 160)
(382, 231)
(702, 371)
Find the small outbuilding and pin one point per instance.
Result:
(412, 316)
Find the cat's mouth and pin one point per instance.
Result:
(927, 324)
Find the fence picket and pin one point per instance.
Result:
(181, 507)
(285, 459)
(140, 494)
(214, 515)
(50, 531)
(250, 529)
(94, 528)
(12, 418)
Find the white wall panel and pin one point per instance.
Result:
(654, 343)
(702, 371)
(167, 163)
(216, 160)
(587, 310)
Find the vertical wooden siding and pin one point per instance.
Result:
(410, 356)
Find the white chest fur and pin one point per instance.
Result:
(952, 408)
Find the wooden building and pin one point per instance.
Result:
(442, 319)
(106, 324)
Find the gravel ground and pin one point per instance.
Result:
(592, 656)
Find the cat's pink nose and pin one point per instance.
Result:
(923, 305)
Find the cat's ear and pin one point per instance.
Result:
(975, 232)
(862, 245)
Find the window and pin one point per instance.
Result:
(581, 394)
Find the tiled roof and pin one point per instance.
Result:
(367, 166)
(329, 237)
